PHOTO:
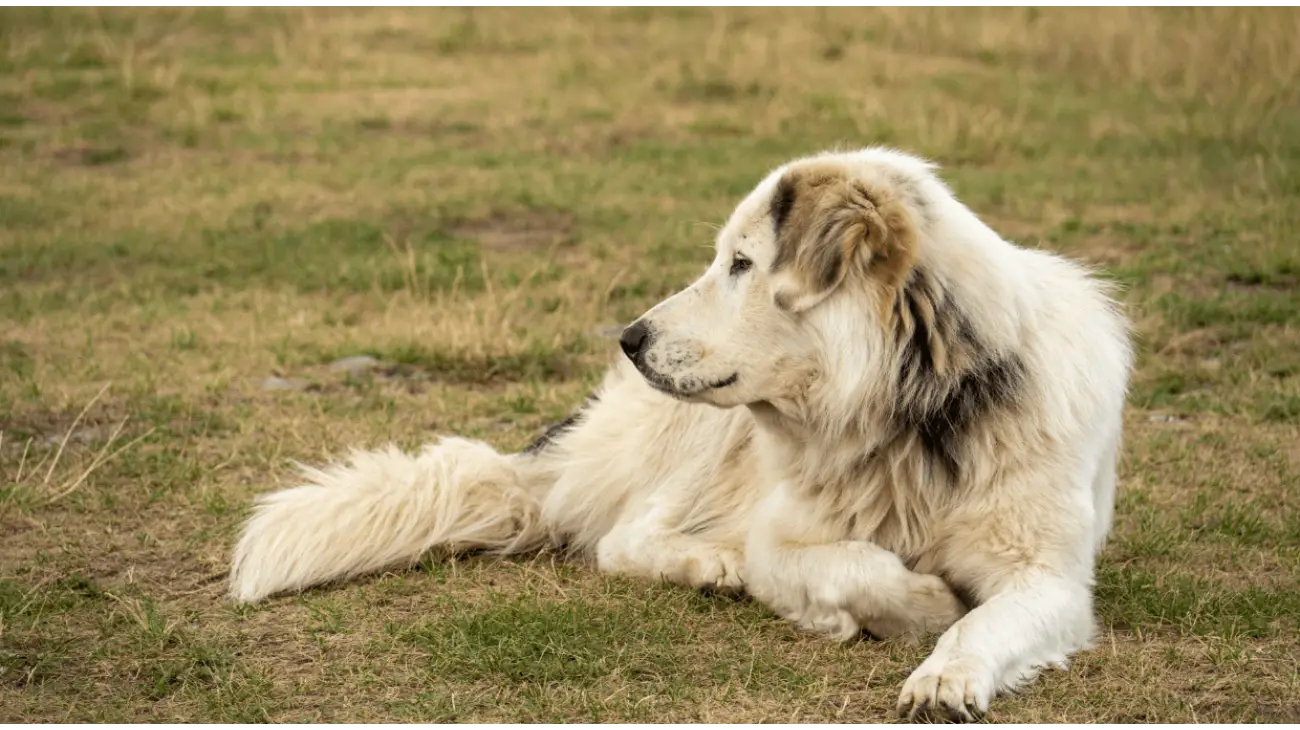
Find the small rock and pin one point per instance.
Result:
(610, 333)
(1163, 418)
(275, 383)
(355, 365)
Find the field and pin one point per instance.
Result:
(201, 212)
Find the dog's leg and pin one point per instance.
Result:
(1033, 577)
(841, 588)
(838, 587)
(647, 544)
(1000, 646)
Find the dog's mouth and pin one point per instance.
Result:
(659, 382)
(668, 386)
(725, 382)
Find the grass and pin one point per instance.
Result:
(194, 201)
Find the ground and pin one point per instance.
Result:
(194, 203)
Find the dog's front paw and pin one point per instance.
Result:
(957, 690)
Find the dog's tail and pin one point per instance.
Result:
(382, 508)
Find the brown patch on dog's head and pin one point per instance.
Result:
(829, 225)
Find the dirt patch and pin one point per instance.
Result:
(1105, 249)
(99, 421)
(598, 140)
(1281, 712)
(51, 427)
(522, 231)
(428, 128)
(480, 370)
(1255, 281)
(1100, 214)
(1025, 233)
(1194, 342)
(411, 370)
(488, 370)
(91, 156)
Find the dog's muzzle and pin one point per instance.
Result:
(636, 339)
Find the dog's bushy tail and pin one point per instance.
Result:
(383, 508)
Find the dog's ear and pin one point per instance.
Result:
(829, 226)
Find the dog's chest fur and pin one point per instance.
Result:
(892, 495)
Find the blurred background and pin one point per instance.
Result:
(233, 238)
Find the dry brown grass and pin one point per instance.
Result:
(193, 201)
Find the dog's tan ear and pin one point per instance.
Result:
(830, 226)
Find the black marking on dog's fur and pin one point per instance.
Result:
(782, 202)
(975, 394)
(829, 265)
(948, 379)
(556, 430)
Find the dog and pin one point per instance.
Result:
(871, 413)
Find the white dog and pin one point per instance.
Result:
(869, 405)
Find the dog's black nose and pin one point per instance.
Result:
(634, 338)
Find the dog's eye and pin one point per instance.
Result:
(740, 265)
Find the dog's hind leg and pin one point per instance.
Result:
(842, 588)
(650, 544)
(647, 552)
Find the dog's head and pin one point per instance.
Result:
(819, 246)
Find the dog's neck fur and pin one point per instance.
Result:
(880, 431)
(885, 490)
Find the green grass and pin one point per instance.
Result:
(194, 201)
